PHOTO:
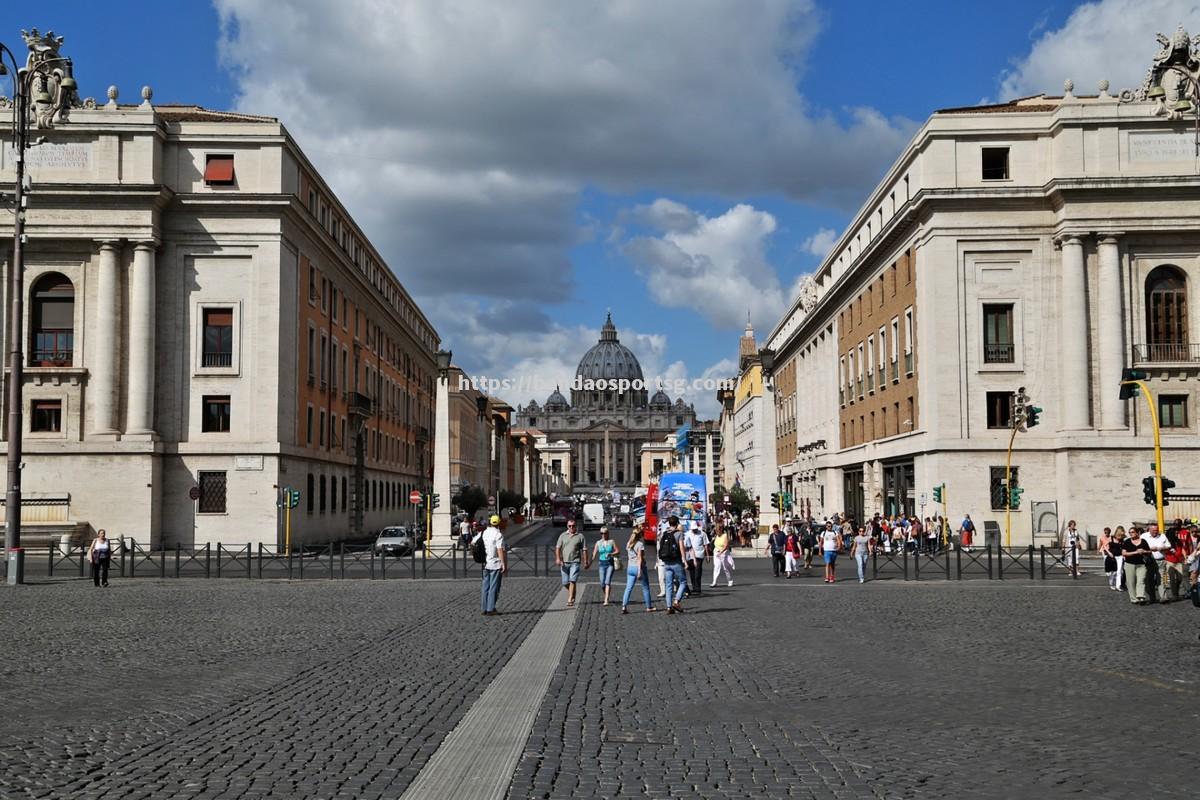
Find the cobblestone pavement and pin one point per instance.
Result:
(774, 688)
(213, 689)
(782, 688)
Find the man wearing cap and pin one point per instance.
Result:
(568, 552)
(495, 566)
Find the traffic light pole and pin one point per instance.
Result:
(1158, 476)
(1008, 490)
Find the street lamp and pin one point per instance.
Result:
(43, 89)
(443, 361)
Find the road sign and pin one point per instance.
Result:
(194, 493)
(726, 498)
(922, 500)
(414, 497)
(491, 499)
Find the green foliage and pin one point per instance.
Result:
(511, 500)
(470, 499)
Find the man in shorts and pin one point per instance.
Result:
(568, 552)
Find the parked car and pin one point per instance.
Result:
(395, 541)
(593, 515)
(622, 519)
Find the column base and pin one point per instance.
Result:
(107, 434)
(141, 436)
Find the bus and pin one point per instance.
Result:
(562, 509)
(645, 512)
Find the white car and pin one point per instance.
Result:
(394, 541)
(593, 515)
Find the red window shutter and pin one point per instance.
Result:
(218, 317)
(218, 170)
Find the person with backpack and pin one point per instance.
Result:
(568, 551)
(487, 549)
(670, 555)
(965, 532)
(776, 545)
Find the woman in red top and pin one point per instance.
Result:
(792, 552)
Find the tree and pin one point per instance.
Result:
(511, 500)
(739, 499)
(470, 499)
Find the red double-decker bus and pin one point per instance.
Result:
(650, 525)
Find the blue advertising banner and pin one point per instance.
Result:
(684, 495)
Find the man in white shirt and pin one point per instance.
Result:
(495, 566)
(696, 548)
(464, 532)
(1159, 544)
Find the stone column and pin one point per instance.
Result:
(103, 378)
(1111, 334)
(441, 533)
(140, 404)
(1073, 372)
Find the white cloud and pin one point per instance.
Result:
(461, 133)
(1110, 39)
(716, 266)
(820, 243)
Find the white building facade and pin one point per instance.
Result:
(1045, 243)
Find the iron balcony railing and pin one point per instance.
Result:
(51, 358)
(1174, 353)
(999, 353)
(217, 359)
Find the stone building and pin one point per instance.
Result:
(203, 313)
(604, 428)
(1046, 244)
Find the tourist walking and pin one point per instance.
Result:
(605, 553)
(965, 532)
(696, 544)
(670, 553)
(861, 549)
(636, 572)
(1175, 560)
(808, 542)
(831, 545)
(723, 556)
(1116, 548)
(495, 565)
(1158, 544)
(99, 555)
(568, 552)
(1072, 543)
(1136, 553)
(776, 545)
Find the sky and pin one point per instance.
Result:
(527, 167)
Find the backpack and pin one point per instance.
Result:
(668, 548)
(478, 551)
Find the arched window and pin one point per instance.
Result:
(1166, 314)
(52, 322)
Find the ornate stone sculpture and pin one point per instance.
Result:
(51, 86)
(808, 294)
(1173, 68)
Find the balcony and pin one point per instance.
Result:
(51, 358)
(218, 359)
(999, 353)
(1166, 353)
(360, 404)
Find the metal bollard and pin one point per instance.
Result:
(208, 559)
(1043, 562)
(260, 549)
(1031, 561)
(342, 558)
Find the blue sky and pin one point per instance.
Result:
(526, 167)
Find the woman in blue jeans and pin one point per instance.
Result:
(636, 572)
(603, 554)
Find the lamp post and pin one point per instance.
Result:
(47, 83)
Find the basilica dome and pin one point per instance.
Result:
(609, 359)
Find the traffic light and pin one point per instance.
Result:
(1128, 388)
(1014, 496)
(937, 493)
(787, 501)
(1167, 483)
(435, 500)
(293, 498)
(1148, 493)
(774, 499)
(1031, 416)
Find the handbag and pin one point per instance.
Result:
(616, 562)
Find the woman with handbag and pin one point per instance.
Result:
(99, 554)
(605, 554)
(636, 571)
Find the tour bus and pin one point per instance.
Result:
(648, 513)
(562, 509)
(683, 495)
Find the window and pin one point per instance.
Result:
(870, 359)
(1172, 411)
(333, 494)
(45, 416)
(312, 284)
(333, 372)
(909, 333)
(999, 409)
(842, 380)
(859, 364)
(896, 349)
(218, 169)
(218, 338)
(1000, 485)
(325, 295)
(882, 354)
(312, 201)
(910, 424)
(345, 494)
(53, 321)
(308, 494)
(321, 507)
(333, 303)
(994, 163)
(998, 344)
(321, 430)
(308, 434)
(324, 360)
(212, 493)
(1166, 314)
(215, 414)
(312, 354)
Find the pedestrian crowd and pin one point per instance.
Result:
(1152, 565)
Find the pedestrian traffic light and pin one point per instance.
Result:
(787, 501)
(1014, 496)
(1031, 416)
(1167, 484)
(937, 493)
(1148, 493)
(293, 499)
(1128, 388)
